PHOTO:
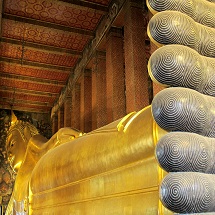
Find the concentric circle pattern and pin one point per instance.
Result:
(187, 109)
(209, 213)
(201, 11)
(186, 152)
(182, 109)
(181, 66)
(188, 192)
(172, 27)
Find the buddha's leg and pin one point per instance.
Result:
(188, 151)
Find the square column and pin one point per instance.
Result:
(67, 111)
(116, 103)
(75, 108)
(94, 96)
(135, 56)
(54, 124)
(86, 102)
(99, 70)
(60, 117)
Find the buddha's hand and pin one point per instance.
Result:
(187, 108)
(67, 134)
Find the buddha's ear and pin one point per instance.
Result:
(27, 133)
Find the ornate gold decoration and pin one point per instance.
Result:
(13, 118)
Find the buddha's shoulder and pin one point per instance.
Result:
(37, 140)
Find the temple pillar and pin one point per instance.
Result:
(136, 74)
(60, 117)
(75, 108)
(157, 88)
(115, 75)
(67, 111)
(86, 101)
(1, 3)
(99, 90)
(94, 96)
(54, 124)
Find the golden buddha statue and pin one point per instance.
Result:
(25, 146)
(113, 170)
(89, 163)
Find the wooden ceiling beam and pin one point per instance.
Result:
(29, 92)
(33, 64)
(26, 109)
(53, 71)
(31, 79)
(20, 101)
(48, 25)
(41, 47)
(21, 92)
(98, 7)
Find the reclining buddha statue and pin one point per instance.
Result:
(116, 169)
(100, 172)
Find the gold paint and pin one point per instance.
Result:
(152, 39)
(24, 148)
(123, 122)
(13, 118)
(113, 164)
(152, 76)
(150, 8)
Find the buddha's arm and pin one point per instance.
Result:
(37, 147)
(33, 154)
(62, 136)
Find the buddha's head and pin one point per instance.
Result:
(17, 140)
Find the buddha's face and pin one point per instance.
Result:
(16, 147)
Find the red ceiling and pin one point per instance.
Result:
(55, 12)
(39, 72)
(20, 84)
(21, 96)
(43, 35)
(41, 43)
